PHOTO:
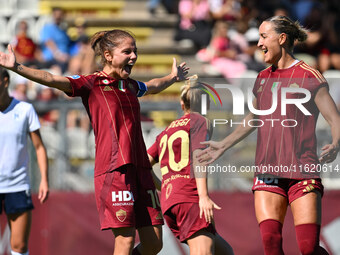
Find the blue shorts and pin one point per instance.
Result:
(16, 202)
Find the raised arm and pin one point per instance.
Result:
(216, 149)
(178, 73)
(329, 111)
(54, 81)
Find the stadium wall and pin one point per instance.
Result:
(68, 224)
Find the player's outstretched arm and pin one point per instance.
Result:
(206, 205)
(216, 149)
(329, 111)
(55, 81)
(178, 73)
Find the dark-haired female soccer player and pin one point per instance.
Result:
(289, 141)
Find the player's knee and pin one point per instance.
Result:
(308, 238)
(20, 247)
(271, 234)
(271, 239)
(125, 242)
(308, 247)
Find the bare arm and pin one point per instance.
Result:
(329, 111)
(54, 81)
(42, 163)
(178, 73)
(206, 205)
(216, 149)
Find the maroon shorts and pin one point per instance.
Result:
(184, 220)
(289, 188)
(126, 197)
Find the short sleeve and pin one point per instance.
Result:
(81, 85)
(33, 119)
(153, 151)
(316, 81)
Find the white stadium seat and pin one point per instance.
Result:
(27, 6)
(7, 7)
(12, 26)
(4, 38)
(42, 20)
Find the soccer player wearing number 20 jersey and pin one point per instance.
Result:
(185, 202)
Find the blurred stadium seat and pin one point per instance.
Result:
(13, 22)
(27, 6)
(4, 36)
(39, 24)
(80, 7)
(141, 33)
(7, 7)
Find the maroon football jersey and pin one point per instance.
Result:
(173, 149)
(114, 111)
(286, 143)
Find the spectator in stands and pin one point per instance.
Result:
(228, 10)
(18, 120)
(254, 60)
(124, 189)
(195, 22)
(83, 59)
(20, 89)
(26, 50)
(171, 6)
(222, 54)
(55, 43)
(329, 57)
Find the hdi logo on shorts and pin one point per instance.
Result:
(122, 196)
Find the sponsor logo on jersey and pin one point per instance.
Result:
(122, 196)
(121, 215)
(107, 88)
(294, 85)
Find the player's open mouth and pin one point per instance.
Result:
(265, 51)
(128, 68)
